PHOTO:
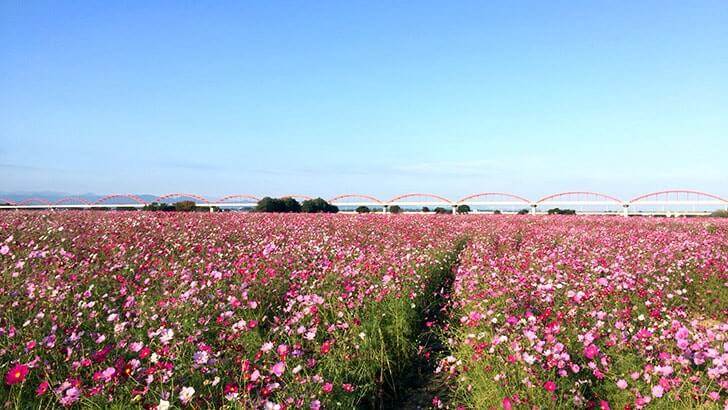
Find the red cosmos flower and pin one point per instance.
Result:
(145, 352)
(127, 371)
(325, 347)
(545, 315)
(550, 386)
(230, 388)
(16, 374)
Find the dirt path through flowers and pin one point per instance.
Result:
(420, 387)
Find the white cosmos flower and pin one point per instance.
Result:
(186, 394)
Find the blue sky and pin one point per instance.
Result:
(374, 97)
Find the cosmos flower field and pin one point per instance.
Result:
(195, 310)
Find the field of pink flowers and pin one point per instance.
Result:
(189, 310)
(591, 312)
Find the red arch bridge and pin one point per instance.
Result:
(676, 202)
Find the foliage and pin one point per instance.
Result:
(441, 210)
(318, 205)
(557, 211)
(156, 207)
(278, 205)
(184, 206)
(291, 205)
(395, 209)
(721, 213)
(362, 209)
(463, 209)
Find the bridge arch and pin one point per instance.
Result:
(677, 193)
(581, 194)
(131, 197)
(68, 199)
(196, 197)
(422, 195)
(238, 196)
(496, 194)
(346, 196)
(7, 201)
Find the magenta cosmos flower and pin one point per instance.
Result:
(591, 351)
(16, 374)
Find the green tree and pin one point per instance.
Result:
(395, 209)
(318, 205)
(441, 210)
(463, 209)
(720, 214)
(425, 209)
(278, 205)
(523, 212)
(185, 206)
(557, 211)
(291, 205)
(157, 207)
(268, 204)
(362, 209)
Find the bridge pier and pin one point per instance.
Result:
(454, 209)
(533, 209)
(625, 210)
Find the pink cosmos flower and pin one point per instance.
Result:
(279, 368)
(108, 373)
(550, 386)
(282, 351)
(622, 384)
(71, 396)
(658, 391)
(507, 404)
